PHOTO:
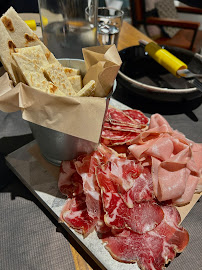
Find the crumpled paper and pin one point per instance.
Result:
(81, 117)
(102, 64)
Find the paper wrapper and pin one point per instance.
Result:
(102, 65)
(81, 117)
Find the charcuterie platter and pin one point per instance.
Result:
(41, 178)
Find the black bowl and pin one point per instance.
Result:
(143, 75)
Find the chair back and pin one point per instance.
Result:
(137, 12)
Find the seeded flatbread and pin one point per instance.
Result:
(22, 35)
(88, 90)
(56, 74)
(76, 82)
(33, 74)
(7, 47)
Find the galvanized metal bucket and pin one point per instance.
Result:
(56, 146)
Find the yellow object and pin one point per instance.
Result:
(44, 21)
(165, 58)
(31, 24)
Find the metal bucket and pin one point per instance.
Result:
(56, 146)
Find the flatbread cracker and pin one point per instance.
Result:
(76, 82)
(7, 47)
(33, 74)
(88, 90)
(71, 71)
(22, 35)
(35, 54)
(57, 75)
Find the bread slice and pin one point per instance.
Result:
(7, 47)
(56, 74)
(35, 54)
(87, 90)
(71, 71)
(33, 74)
(22, 35)
(76, 82)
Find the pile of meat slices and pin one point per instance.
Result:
(129, 198)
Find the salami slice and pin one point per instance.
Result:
(138, 116)
(118, 116)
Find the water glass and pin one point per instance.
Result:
(65, 27)
(109, 25)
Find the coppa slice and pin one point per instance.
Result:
(70, 182)
(75, 214)
(141, 218)
(153, 249)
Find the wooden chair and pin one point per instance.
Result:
(188, 37)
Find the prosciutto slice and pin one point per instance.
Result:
(153, 249)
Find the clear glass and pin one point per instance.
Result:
(109, 25)
(66, 28)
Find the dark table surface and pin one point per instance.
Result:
(30, 238)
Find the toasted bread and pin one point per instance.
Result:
(87, 90)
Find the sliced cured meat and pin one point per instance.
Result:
(173, 158)
(69, 182)
(138, 116)
(75, 214)
(190, 188)
(141, 218)
(108, 125)
(113, 137)
(153, 249)
(114, 134)
(93, 196)
(126, 172)
(118, 116)
(142, 189)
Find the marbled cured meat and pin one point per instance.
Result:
(69, 182)
(76, 215)
(141, 218)
(153, 249)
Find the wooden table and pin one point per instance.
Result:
(129, 36)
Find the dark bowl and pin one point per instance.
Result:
(143, 75)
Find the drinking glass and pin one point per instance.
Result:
(109, 25)
(65, 27)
